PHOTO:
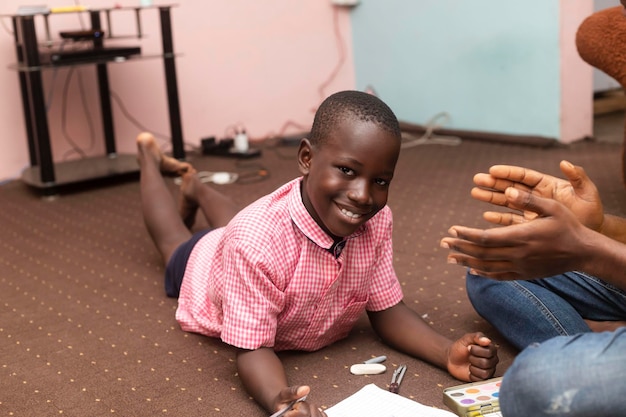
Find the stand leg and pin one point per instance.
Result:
(30, 133)
(106, 110)
(37, 107)
(178, 150)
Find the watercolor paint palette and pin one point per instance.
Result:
(475, 399)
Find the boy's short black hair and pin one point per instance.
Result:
(360, 105)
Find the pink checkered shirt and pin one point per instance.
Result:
(268, 279)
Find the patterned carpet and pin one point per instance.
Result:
(86, 330)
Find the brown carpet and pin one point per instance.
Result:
(86, 330)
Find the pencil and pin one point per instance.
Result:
(289, 406)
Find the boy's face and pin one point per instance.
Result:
(346, 179)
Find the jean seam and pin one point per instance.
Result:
(613, 289)
(556, 324)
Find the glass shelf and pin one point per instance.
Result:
(46, 174)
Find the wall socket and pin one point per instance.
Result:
(345, 3)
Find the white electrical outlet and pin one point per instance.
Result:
(348, 3)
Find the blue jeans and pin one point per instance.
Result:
(526, 312)
(573, 376)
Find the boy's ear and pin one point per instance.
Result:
(305, 154)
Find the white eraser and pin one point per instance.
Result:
(367, 368)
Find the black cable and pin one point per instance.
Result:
(132, 119)
(55, 72)
(6, 28)
(75, 147)
(83, 96)
(342, 54)
(140, 126)
(321, 89)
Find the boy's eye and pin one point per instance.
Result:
(346, 170)
(381, 182)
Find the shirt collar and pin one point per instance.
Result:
(303, 220)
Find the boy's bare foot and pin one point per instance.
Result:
(147, 146)
(187, 203)
(605, 326)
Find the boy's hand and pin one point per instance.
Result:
(473, 357)
(301, 408)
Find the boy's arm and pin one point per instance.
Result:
(263, 375)
(471, 358)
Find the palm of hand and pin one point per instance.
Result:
(585, 204)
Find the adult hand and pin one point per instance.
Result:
(551, 244)
(301, 408)
(578, 193)
(473, 357)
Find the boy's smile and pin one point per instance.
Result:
(347, 176)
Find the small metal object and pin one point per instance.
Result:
(396, 379)
(377, 359)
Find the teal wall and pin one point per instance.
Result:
(492, 65)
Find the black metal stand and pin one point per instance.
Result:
(43, 173)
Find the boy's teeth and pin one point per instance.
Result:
(350, 214)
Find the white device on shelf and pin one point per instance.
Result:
(349, 3)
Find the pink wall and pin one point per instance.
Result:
(255, 64)
(576, 75)
(260, 65)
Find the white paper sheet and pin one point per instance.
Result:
(372, 401)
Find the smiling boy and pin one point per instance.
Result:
(295, 269)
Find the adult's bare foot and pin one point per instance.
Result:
(605, 326)
(187, 203)
(147, 146)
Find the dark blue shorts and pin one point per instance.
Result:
(175, 269)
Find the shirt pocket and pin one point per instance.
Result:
(333, 322)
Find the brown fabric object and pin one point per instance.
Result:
(601, 42)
